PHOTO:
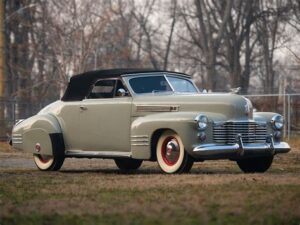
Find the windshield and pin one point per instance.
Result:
(153, 84)
(181, 85)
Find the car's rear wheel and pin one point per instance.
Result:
(255, 165)
(48, 162)
(171, 155)
(128, 164)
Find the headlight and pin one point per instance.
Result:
(277, 122)
(201, 121)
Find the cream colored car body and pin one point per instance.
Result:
(129, 126)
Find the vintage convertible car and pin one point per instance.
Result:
(135, 115)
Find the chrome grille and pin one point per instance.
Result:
(251, 132)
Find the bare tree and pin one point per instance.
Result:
(20, 57)
(147, 31)
(207, 34)
(172, 28)
(240, 41)
(270, 32)
(220, 41)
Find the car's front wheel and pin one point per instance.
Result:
(255, 165)
(171, 155)
(128, 164)
(48, 162)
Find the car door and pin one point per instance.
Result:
(104, 119)
(68, 117)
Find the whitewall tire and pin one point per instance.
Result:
(171, 155)
(47, 162)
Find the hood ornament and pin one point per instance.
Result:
(235, 90)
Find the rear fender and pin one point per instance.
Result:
(40, 134)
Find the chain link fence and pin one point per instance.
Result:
(12, 111)
(288, 105)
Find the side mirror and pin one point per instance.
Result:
(121, 92)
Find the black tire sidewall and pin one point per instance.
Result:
(255, 165)
(128, 164)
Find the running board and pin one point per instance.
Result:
(96, 154)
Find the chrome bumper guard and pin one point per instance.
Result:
(240, 149)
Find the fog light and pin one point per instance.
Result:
(202, 136)
(277, 135)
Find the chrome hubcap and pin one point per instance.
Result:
(171, 151)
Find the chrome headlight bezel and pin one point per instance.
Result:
(202, 122)
(277, 122)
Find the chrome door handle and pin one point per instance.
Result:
(83, 107)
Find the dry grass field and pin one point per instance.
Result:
(93, 191)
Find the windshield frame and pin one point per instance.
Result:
(128, 77)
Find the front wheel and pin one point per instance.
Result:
(171, 155)
(255, 165)
(128, 164)
(48, 162)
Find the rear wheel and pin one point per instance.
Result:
(48, 162)
(171, 155)
(255, 165)
(125, 164)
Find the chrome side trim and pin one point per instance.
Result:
(139, 140)
(17, 139)
(18, 121)
(96, 154)
(139, 136)
(157, 108)
(140, 144)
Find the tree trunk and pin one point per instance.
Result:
(245, 78)
(168, 49)
(211, 70)
(2, 70)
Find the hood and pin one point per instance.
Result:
(230, 105)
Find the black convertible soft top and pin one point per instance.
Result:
(80, 84)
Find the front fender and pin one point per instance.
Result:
(265, 117)
(183, 123)
(43, 130)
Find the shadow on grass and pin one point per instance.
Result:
(145, 171)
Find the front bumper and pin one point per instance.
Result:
(240, 149)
